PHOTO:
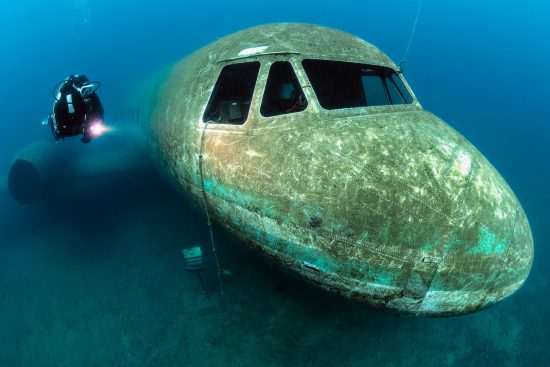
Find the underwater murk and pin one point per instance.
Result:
(112, 263)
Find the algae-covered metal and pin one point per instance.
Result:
(384, 204)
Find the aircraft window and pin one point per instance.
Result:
(345, 85)
(399, 87)
(230, 100)
(283, 93)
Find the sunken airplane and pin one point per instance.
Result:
(308, 144)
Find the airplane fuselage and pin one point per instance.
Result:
(308, 144)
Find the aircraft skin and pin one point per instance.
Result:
(386, 205)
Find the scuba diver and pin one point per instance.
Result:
(76, 109)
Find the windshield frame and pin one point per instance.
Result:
(363, 108)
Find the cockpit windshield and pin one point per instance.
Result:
(340, 84)
(283, 93)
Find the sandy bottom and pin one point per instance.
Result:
(96, 278)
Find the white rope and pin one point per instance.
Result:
(411, 36)
(203, 196)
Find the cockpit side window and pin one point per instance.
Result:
(346, 85)
(230, 100)
(283, 93)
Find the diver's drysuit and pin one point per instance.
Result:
(76, 108)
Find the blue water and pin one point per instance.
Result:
(86, 283)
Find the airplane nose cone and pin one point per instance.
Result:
(487, 251)
(424, 224)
